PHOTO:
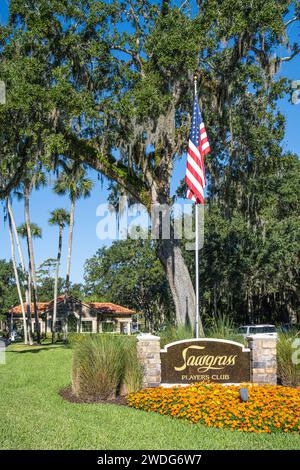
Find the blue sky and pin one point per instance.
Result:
(85, 240)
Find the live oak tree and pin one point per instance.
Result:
(110, 84)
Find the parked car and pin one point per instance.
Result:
(248, 330)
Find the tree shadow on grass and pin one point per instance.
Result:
(37, 348)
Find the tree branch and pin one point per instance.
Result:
(135, 57)
(288, 58)
(122, 49)
(87, 152)
(183, 4)
(135, 18)
(15, 180)
(292, 20)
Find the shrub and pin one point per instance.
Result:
(103, 365)
(288, 372)
(270, 408)
(223, 327)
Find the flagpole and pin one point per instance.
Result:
(196, 246)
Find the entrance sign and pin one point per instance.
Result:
(205, 360)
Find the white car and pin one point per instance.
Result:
(249, 330)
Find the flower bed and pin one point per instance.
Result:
(270, 408)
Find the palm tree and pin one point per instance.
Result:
(35, 232)
(24, 270)
(34, 179)
(61, 218)
(13, 257)
(73, 181)
(13, 230)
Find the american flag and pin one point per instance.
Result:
(198, 147)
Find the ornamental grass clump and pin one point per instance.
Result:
(133, 372)
(105, 366)
(97, 367)
(222, 327)
(269, 408)
(288, 365)
(174, 333)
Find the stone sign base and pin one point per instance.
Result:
(263, 364)
(148, 351)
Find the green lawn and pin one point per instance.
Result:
(34, 416)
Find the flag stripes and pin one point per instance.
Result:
(198, 147)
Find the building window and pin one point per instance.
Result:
(107, 327)
(86, 326)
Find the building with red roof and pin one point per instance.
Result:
(77, 316)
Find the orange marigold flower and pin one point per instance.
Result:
(270, 408)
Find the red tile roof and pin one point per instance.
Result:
(103, 307)
(42, 307)
(108, 307)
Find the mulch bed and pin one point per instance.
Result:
(68, 395)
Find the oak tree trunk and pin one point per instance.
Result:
(182, 289)
(170, 254)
